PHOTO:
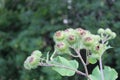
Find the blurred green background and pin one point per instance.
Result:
(27, 25)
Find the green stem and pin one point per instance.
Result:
(51, 58)
(101, 68)
(62, 66)
(87, 54)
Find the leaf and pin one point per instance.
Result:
(112, 73)
(72, 65)
(92, 60)
(109, 74)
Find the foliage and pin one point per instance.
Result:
(76, 39)
(110, 74)
(27, 25)
(73, 64)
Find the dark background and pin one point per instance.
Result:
(27, 25)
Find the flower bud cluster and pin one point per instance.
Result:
(74, 38)
(64, 39)
(83, 39)
(107, 32)
(32, 61)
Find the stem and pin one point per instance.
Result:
(73, 55)
(47, 57)
(85, 67)
(100, 59)
(87, 54)
(62, 66)
(51, 58)
(101, 68)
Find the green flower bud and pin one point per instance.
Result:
(31, 62)
(72, 38)
(108, 31)
(71, 35)
(37, 53)
(88, 41)
(98, 49)
(81, 32)
(59, 35)
(113, 35)
(101, 31)
(61, 46)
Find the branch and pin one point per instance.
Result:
(73, 55)
(84, 64)
(62, 66)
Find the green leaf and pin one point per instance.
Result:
(92, 60)
(109, 74)
(71, 64)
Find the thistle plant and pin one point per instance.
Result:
(76, 39)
